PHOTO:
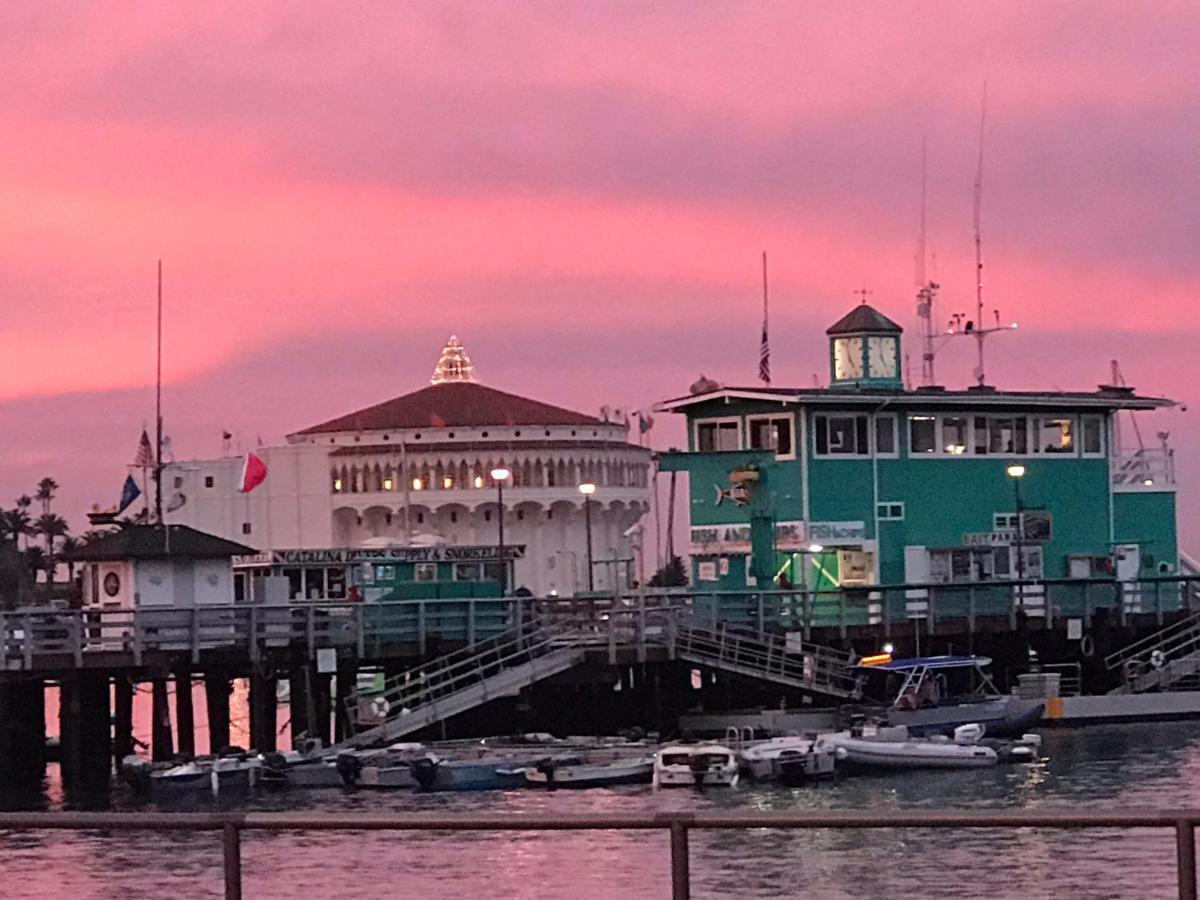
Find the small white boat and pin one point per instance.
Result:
(698, 765)
(788, 759)
(892, 748)
(590, 775)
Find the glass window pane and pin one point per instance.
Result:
(1056, 436)
(954, 435)
(822, 428)
(1092, 442)
(841, 434)
(885, 434)
(981, 435)
(860, 435)
(783, 436)
(1000, 436)
(727, 436)
(706, 438)
(922, 434)
(1021, 435)
(760, 435)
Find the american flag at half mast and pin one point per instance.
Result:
(764, 350)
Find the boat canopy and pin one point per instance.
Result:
(931, 662)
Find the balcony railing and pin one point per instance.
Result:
(1152, 467)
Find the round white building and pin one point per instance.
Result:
(418, 469)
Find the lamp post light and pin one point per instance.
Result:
(1016, 472)
(500, 475)
(587, 488)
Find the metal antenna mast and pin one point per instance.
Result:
(975, 327)
(926, 290)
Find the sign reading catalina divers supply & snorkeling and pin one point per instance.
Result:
(710, 539)
(442, 553)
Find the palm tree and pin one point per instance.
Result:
(51, 526)
(45, 493)
(69, 546)
(35, 561)
(18, 523)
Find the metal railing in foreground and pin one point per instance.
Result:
(231, 826)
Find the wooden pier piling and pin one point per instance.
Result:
(185, 720)
(216, 699)
(161, 744)
(22, 730)
(123, 688)
(263, 707)
(85, 731)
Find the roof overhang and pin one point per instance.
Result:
(876, 399)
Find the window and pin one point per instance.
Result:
(208, 481)
(889, 512)
(1006, 435)
(885, 435)
(922, 434)
(1004, 521)
(1055, 435)
(335, 583)
(245, 528)
(954, 434)
(178, 481)
(773, 433)
(717, 436)
(425, 572)
(468, 572)
(841, 435)
(1093, 435)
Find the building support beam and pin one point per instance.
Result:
(216, 701)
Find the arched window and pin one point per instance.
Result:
(335, 481)
(527, 474)
(538, 475)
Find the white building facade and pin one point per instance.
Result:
(418, 469)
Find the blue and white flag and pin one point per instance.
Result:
(129, 493)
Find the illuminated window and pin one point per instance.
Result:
(388, 484)
(478, 481)
(337, 484)
(448, 482)
(416, 484)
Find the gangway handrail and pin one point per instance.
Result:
(1147, 645)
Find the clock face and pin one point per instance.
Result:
(847, 358)
(112, 584)
(881, 353)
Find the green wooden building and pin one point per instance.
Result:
(867, 482)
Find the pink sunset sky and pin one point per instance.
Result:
(581, 193)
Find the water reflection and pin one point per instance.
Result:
(1106, 767)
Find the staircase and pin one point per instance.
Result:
(1160, 660)
(459, 681)
(808, 667)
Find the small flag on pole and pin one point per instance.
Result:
(764, 350)
(145, 452)
(129, 493)
(254, 473)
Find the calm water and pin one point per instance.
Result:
(1109, 767)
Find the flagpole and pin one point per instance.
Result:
(764, 351)
(158, 509)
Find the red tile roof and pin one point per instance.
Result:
(455, 404)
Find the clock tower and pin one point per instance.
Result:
(864, 349)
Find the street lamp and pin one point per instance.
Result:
(587, 488)
(1016, 472)
(500, 475)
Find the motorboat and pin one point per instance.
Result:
(217, 775)
(892, 747)
(791, 759)
(936, 694)
(698, 765)
(432, 773)
(590, 775)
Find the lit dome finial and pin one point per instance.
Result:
(453, 365)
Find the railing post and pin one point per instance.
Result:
(761, 627)
(842, 611)
(1185, 856)
(470, 621)
(421, 627)
(808, 615)
(971, 608)
(681, 888)
(1087, 604)
(930, 612)
(232, 845)
(195, 634)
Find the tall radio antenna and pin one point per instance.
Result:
(926, 290)
(975, 327)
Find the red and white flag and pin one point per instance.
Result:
(254, 473)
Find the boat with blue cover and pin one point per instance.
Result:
(936, 694)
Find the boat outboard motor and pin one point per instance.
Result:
(424, 770)
(546, 767)
(968, 734)
(349, 767)
(699, 766)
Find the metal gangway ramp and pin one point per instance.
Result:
(769, 657)
(460, 681)
(1159, 660)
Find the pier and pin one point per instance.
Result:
(447, 660)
